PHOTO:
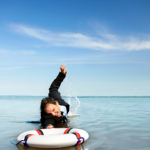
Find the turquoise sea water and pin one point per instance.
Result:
(113, 123)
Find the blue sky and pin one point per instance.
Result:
(105, 46)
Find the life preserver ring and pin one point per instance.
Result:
(53, 138)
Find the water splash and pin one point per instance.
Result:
(72, 99)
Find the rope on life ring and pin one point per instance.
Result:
(52, 138)
(78, 136)
(40, 132)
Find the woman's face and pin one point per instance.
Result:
(53, 109)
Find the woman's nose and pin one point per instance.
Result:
(53, 113)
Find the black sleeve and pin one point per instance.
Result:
(57, 82)
(46, 120)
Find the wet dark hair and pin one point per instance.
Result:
(45, 101)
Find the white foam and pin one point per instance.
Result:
(72, 99)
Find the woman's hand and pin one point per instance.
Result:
(62, 68)
(50, 126)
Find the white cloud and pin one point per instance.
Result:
(8, 52)
(78, 40)
(10, 68)
(138, 45)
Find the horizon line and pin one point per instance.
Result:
(83, 96)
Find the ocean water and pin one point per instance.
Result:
(113, 123)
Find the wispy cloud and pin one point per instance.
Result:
(10, 68)
(79, 40)
(8, 52)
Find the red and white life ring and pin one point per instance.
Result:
(53, 138)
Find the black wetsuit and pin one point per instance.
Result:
(46, 119)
